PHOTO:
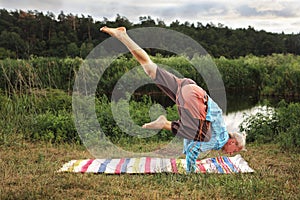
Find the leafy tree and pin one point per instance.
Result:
(73, 50)
(85, 49)
(147, 21)
(4, 53)
(26, 33)
(13, 42)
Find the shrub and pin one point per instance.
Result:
(52, 100)
(290, 139)
(129, 117)
(279, 125)
(53, 127)
(261, 127)
(288, 123)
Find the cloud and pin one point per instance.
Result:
(265, 8)
(173, 11)
(296, 23)
(229, 13)
(266, 5)
(32, 4)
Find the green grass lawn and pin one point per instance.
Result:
(28, 171)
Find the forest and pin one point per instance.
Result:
(24, 34)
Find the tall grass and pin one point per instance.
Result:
(25, 116)
(23, 76)
(277, 75)
(36, 101)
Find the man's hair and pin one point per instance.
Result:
(240, 138)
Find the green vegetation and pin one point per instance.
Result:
(37, 132)
(36, 102)
(274, 75)
(43, 115)
(23, 34)
(279, 125)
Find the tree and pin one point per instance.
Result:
(175, 24)
(147, 21)
(61, 17)
(85, 49)
(123, 21)
(13, 42)
(72, 50)
(5, 53)
(32, 32)
(51, 21)
(160, 23)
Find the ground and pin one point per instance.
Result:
(28, 171)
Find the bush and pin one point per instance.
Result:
(52, 100)
(290, 139)
(129, 117)
(289, 128)
(279, 125)
(54, 127)
(261, 127)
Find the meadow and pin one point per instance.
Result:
(38, 135)
(28, 171)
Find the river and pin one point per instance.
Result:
(239, 106)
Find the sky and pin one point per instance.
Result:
(270, 15)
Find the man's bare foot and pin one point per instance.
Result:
(159, 123)
(114, 32)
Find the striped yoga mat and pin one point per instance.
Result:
(148, 165)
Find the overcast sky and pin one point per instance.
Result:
(268, 15)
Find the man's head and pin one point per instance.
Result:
(235, 143)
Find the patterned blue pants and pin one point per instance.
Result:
(192, 149)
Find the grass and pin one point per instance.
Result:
(28, 172)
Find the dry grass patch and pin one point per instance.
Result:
(28, 172)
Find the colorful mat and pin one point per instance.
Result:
(148, 165)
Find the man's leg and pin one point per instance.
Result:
(141, 56)
(149, 67)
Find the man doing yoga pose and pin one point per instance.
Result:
(201, 122)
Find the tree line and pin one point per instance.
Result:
(24, 34)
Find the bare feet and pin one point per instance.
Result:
(159, 123)
(114, 32)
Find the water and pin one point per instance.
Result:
(234, 119)
(239, 106)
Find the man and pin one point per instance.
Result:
(201, 123)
